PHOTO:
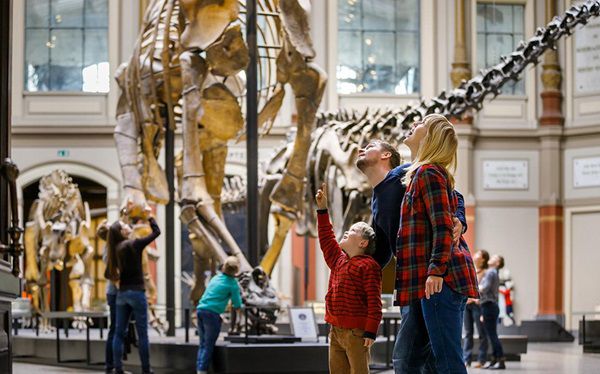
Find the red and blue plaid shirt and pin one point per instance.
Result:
(424, 245)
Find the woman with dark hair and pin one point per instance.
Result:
(473, 316)
(124, 263)
(111, 300)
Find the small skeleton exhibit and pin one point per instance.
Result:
(57, 237)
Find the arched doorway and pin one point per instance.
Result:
(96, 195)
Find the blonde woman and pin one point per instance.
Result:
(430, 268)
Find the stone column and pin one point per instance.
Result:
(551, 256)
(551, 79)
(461, 70)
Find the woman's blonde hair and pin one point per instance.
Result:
(438, 147)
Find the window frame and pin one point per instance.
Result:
(476, 34)
(83, 28)
(508, 111)
(333, 8)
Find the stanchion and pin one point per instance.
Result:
(187, 325)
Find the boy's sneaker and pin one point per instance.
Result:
(201, 372)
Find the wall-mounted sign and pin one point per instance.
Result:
(587, 58)
(63, 153)
(505, 174)
(586, 172)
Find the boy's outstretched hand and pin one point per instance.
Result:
(321, 197)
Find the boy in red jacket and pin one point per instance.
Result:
(353, 301)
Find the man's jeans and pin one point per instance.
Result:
(132, 302)
(490, 312)
(472, 316)
(412, 350)
(209, 327)
(443, 314)
(111, 299)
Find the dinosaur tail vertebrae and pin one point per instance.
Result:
(471, 94)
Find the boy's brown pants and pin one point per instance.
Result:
(347, 353)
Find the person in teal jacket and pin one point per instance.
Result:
(221, 288)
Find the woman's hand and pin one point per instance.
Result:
(321, 197)
(368, 342)
(433, 285)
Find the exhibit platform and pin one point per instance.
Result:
(174, 355)
(539, 331)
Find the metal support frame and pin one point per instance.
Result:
(252, 136)
(170, 227)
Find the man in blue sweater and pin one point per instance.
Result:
(380, 162)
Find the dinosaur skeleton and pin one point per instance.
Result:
(57, 238)
(188, 68)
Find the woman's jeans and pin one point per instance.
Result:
(132, 302)
(443, 314)
(472, 317)
(111, 299)
(209, 327)
(490, 312)
(412, 349)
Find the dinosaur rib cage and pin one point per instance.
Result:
(154, 87)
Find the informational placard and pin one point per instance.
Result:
(587, 58)
(303, 323)
(586, 172)
(505, 174)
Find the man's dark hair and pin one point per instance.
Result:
(387, 147)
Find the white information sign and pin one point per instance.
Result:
(505, 174)
(586, 172)
(303, 323)
(587, 58)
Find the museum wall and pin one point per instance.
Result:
(512, 232)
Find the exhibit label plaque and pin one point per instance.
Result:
(586, 172)
(303, 323)
(587, 58)
(505, 174)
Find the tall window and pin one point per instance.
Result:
(66, 45)
(378, 46)
(499, 30)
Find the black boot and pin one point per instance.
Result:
(499, 365)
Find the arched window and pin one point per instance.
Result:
(66, 45)
(378, 47)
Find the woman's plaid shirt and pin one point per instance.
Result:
(424, 245)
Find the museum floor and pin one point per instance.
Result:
(547, 358)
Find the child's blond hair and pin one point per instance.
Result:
(231, 266)
(367, 234)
